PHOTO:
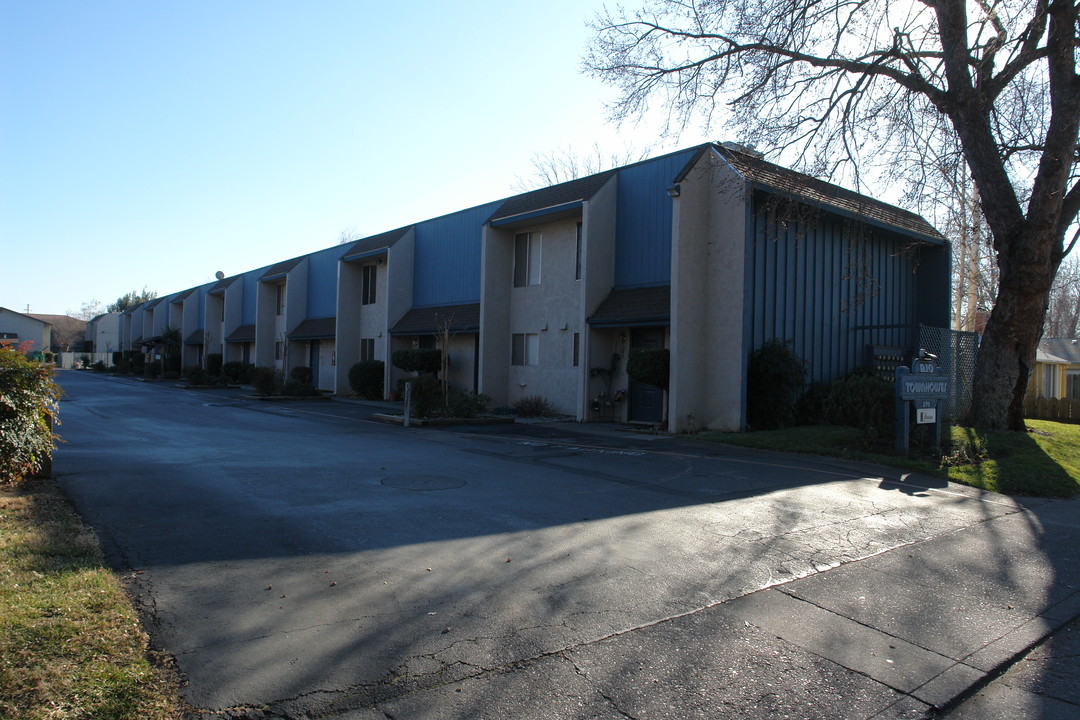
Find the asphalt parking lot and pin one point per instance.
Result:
(301, 561)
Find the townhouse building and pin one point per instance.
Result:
(708, 252)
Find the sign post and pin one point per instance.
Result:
(924, 385)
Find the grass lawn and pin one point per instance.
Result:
(1044, 461)
(70, 643)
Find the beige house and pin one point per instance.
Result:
(17, 328)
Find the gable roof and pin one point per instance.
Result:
(366, 247)
(552, 198)
(814, 191)
(1064, 351)
(220, 285)
(244, 333)
(634, 306)
(425, 321)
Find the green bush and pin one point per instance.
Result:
(865, 401)
(532, 406)
(466, 403)
(301, 373)
(232, 370)
(196, 376)
(99, 367)
(420, 360)
(28, 404)
(366, 379)
(426, 394)
(650, 366)
(170, 375)
(810, 409)
(245, 373)
(267, 381)
(775, 379)
(295, 387)
(213, 363)
(138, 363)
(152, 369)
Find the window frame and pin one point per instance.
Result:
(523, 351)
(528, 254)
(369, 284)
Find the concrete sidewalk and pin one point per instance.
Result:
(901, 634)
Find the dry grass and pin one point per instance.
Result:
(70, 642)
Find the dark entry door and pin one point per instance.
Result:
(313, 361)
(646, 401)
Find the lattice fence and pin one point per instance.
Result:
(956, 353)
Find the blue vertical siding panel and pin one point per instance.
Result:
(643, 221)
(322, 281)
(446, 265)
(251, 294)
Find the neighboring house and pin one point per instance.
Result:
(1057, 370)
(707, 252)
(103, 333)
(17, 328)
(68, 333)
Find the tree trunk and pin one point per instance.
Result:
(1007, 352)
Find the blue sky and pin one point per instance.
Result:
(152, 144)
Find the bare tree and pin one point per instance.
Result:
(87, 310)
(1063, 313)
(869, 85)
(559, 166)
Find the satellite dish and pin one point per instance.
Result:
(219, 275)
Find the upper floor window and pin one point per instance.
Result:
(367, 289)
(577, 255)
(280, 299)
(526, 259)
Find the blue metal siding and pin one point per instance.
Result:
(322, 281)
(832, 288)
(446, 269)
(201, 322)
(643, 221)
(251, 295)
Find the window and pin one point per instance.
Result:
(367, 349)
(278, 349)
(367, 291)
(1050, 385)
(526, 259)
(525, 349)
(577, 265)
(281, 299)
(1072, 384)
(577, 349)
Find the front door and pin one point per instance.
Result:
(646, 401)
(313, 361)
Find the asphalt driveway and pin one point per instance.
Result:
(301, 561)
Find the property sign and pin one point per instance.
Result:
(924, 385)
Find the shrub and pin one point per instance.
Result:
(138, 363)
(466, 403)
(775, 378)
(245, 373)
(28, 404)
(810, 409)
(152, 369)
(267, 381)
(99, 367)
(426, 394)
(650, 366)
(213, 363)
(117, 358)
(301, 373)
(864, 401)
(170, 375)
(366, 379)
(197, 376)
(420, 360)
(532, 406)
(295, 387)
(232, 370)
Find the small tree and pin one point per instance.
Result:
(775, 379)
(28, 408)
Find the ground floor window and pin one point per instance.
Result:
(577, 343)
(367, 349)
(1072, 384)
(525, 349)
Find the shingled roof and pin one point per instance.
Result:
(1065, 351)
(425, 321)
(552, 197)
(315, 329)
(819, 192)
(278, 269)
(634, 306)
(367, 246)
(244, 333)
(220, 285)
